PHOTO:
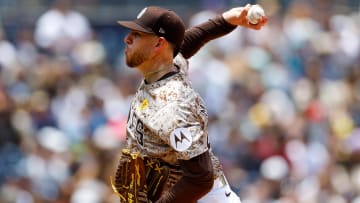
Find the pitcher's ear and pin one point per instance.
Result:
(160, 41)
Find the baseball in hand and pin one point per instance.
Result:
(255, 13)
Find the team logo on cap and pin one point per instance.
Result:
(141, 13)
(180, 139)
(161, 30)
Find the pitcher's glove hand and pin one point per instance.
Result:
(156, 176)
(130, 179)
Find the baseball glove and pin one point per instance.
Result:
(130, 179)
(156, 176)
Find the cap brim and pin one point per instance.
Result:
(133, 26)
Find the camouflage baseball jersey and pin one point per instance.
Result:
(168, 119)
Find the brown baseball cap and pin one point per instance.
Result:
(159, 21)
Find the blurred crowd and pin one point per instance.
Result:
(283, 102)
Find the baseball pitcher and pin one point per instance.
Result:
(168, 157)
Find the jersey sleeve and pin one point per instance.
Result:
(196, 181)
(182, 126)
(198, 36)
(182, 64)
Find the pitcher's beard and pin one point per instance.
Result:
(136, 59)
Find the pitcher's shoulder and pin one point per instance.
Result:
(181, 63)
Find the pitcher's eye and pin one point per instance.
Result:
(135, 34)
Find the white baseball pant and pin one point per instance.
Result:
(220, 193)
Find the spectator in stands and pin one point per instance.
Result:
(61, 28)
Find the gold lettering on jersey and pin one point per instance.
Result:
(144, 104)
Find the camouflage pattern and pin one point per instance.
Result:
(161, 108)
